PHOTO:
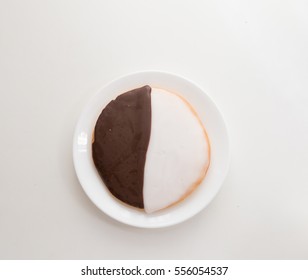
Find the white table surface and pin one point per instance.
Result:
(250, 56)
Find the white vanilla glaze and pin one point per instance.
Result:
(178, 153)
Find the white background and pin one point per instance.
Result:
(252, 59)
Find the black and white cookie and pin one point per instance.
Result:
(150, 148)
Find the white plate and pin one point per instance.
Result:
(94, 186)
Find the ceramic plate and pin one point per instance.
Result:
(94, 186)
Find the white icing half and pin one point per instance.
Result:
(178, 152)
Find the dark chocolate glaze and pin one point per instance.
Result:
(121, 139)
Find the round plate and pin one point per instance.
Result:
(93, 184)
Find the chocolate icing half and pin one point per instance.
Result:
(121, 139)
